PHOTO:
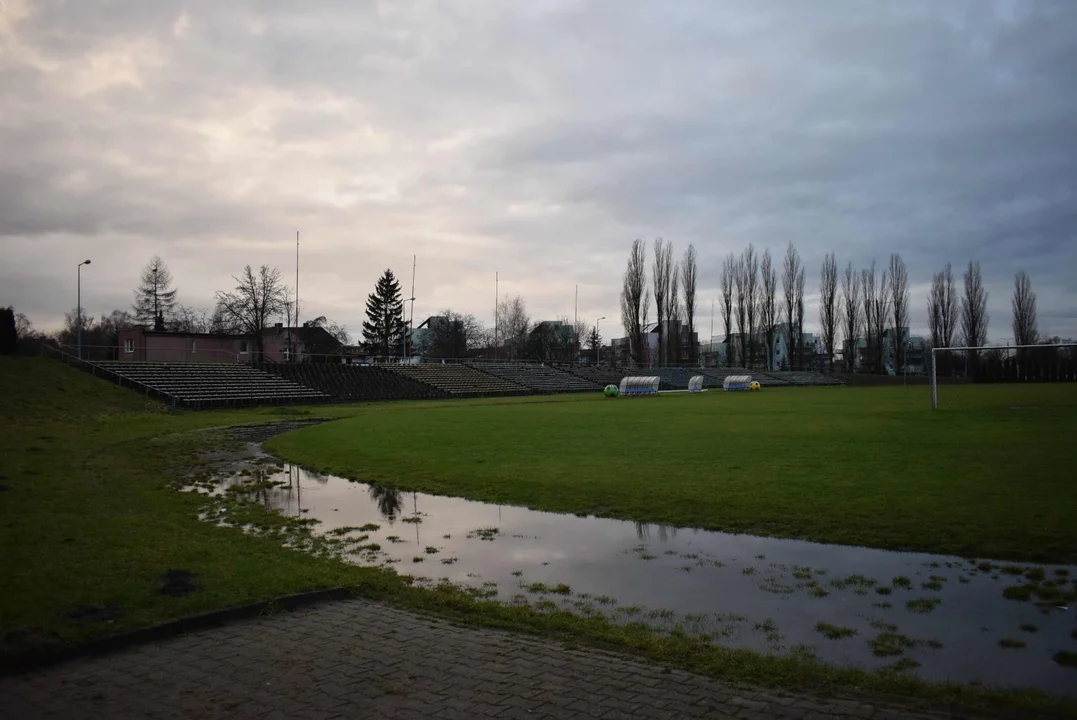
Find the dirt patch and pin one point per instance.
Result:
(95, 613)
(261, 433)
(178, 583)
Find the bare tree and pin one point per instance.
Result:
(515, 324)
(751, 292)
(791, 270)
(1024, 310)
(635, 299)
(974, 315)
(942, 308)
(899, 307)
(255, 300)
(661, 272)
(580, 328)
(155, 298)
(800, 318)
(876, 297)
(190, 319)
(768, 309)
(867, 285)
(728, 283)
(740, 285)
(851, 314)
(828, 306)
(688, 282)
(879, 314)
(335, 330)
(673, 313)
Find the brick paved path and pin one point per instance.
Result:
(360, 659)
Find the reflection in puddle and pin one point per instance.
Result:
(941, 618)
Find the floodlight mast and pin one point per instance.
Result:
(934, 378)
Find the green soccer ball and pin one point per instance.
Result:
(611, 391)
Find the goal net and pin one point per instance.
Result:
(1055, 362)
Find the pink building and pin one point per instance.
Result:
(277, 344)
(140, 344)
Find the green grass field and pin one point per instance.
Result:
(89, 513)
(990, 475)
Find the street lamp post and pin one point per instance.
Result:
(598, 345)
(78, 307)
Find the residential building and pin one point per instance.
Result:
(313, 344)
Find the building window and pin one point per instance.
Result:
(128, 345)
(243, 347)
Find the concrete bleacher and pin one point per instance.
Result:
(803, 377)
(602, 375)
(537, 377)
(673, 378)
(460, 380)
(199, 384)
(764, 379)
(356, 383)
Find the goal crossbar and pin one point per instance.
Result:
(934, 381)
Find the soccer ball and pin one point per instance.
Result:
(611, 391)
(754, 385)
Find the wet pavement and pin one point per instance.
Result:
(362, 659)
(940, 618)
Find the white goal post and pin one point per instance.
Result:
(982, 348)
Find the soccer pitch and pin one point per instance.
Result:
(989, 475)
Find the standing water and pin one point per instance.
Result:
(941, 618)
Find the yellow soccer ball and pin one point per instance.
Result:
(754, 385)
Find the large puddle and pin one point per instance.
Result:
(941, 618)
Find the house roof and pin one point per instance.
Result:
(307, 334)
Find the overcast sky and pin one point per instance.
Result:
(535, 139)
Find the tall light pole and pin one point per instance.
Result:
(598, 348)
(78, 307)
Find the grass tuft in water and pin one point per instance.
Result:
(889, 644)
(1029, 628)
(902, 582)
(834, 632)
(1065, 658)
(1011, 643)
(922, 605)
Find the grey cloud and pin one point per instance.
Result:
(538, 139)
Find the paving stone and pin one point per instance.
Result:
(358, 658)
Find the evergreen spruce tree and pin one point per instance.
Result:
(155, 298)
(9, 337)
(383, 330)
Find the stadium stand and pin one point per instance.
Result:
(540, 378)
(460, 380)
(356, 383)
(204, 385)
(765, 380)
(801, 377)
(673, 378)
(602, 375)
